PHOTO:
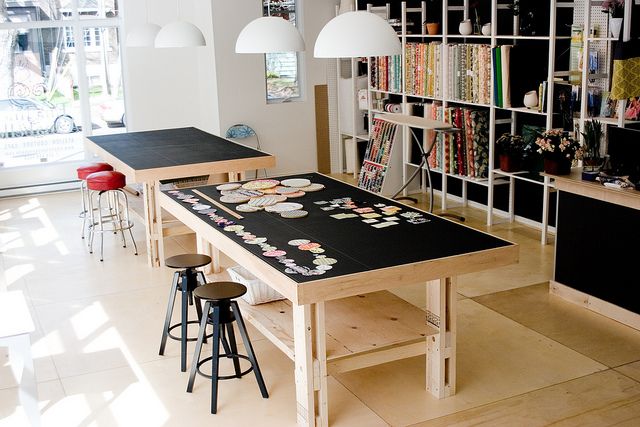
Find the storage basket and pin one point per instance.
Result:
(258, 292)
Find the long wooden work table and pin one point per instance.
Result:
(151, 156)
(343, 318)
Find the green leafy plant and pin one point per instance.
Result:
(512, 145)
(591, 139)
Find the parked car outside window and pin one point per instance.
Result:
(26, 117)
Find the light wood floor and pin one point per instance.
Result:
(525, 358)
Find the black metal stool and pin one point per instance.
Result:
(189, 282)
(221, 311)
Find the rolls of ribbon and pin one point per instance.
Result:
(393, 108)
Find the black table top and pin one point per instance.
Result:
(357, 246)
(171, 147)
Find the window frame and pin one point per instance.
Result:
(299, 80)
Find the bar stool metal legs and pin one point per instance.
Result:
(117, 220)
(185, 281)
(221, 314)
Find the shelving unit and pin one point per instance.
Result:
(499, 117)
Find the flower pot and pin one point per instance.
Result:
(510, 163)
(589, 175)
(615, 25)
(557, 167)
(433, 28)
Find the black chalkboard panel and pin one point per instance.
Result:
(171, 147)
(596, 245)
(356, 245)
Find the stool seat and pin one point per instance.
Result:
(106, 180)
(86, 170)
(219, 291)
(187, 261)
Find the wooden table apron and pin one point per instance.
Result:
(308, 301)
(150, 180)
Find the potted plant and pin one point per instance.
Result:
(559, 150)
(511, 150)
(591, 161)
(434, 14)
(615, 9)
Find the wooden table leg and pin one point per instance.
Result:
(206, 248)
(441, 347)
(310, 364)
(320, 367)
(153, 224)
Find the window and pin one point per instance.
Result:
(282, 69)
(64, 81)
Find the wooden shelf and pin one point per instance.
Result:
(381, 328)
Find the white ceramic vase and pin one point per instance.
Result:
(530, 99)
(486, 29)
(465, 27)
(615, 25)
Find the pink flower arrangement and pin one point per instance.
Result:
(613, 7)
(557, 144)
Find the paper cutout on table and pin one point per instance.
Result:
(344, 216)
(294, 214)
(384, 224)
(371, 215)
(298, 242)
(228, 186)
(234, 199)
(312, 187)
(296, 182)
(392, 218)
(370, 221)
(259, 184)
(363, 210)
(284, 206)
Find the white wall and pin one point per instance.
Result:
(213, 87)
(286, 130)
(169, 88)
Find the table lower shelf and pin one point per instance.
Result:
(361, 331)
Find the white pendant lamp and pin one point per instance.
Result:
(143, 35)
(356, 34)
(180, 34)
(269, 34)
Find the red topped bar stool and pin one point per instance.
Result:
(84, 171)
(115, 217)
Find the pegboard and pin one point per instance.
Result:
(599, 24)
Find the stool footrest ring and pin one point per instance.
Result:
(177, 338)
(229, 356)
